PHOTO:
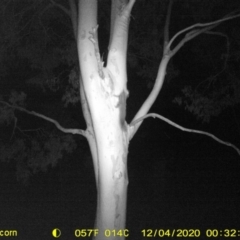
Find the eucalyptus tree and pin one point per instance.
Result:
(103, 95)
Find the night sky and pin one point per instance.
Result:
(177, 180)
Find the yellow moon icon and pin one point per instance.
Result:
(56, 232)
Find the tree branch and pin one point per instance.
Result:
(167, 54)
(65, 130)
(120, 18)
(196, 32)
(74, 16)
(186, 129)
(152, 96)
(188, 37)
(166, 27)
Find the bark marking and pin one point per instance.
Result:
(116, 173)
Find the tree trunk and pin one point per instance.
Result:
(103, 97)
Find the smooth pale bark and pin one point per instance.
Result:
(103, 96)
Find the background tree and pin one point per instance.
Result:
(34, 154)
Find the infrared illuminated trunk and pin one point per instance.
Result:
(103, 97)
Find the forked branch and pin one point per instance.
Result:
(196, 30)
(191, 32)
